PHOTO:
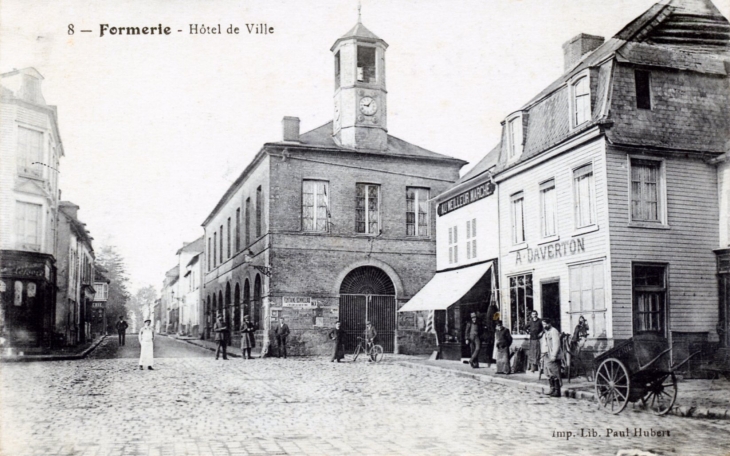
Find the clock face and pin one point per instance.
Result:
(368, 106)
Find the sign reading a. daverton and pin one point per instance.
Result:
(296, 301)
(468, 197)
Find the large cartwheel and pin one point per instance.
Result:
(639, 369)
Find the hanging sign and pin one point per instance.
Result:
(470, 196)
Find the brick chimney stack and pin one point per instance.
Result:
(290, 126)
(578, 46)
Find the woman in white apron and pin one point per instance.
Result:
(146, 342)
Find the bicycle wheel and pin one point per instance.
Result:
(358, 349)
(376, 353)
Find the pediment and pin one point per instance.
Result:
(31, 187)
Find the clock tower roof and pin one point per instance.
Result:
(360, 33)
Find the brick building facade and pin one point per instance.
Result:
(335, 223)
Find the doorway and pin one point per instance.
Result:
(550, 292)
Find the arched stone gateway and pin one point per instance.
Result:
(367, 293)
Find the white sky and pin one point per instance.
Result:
(155, 128)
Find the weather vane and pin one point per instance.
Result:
(359, 7)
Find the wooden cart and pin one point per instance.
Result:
(637, 369)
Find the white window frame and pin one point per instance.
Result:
(580, 224)
(416, 207)
(661, 221)
(21, 206)
(518, 235)
(595, 309)
(26, 168)
(315, 215)
(548, 185)
(367, 212)
(572, 87)
(514, 148)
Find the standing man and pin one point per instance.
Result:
(281, 332)
(551, 337)
(122, 330)
(370, 335)
(473, 334)
(534, 328)
(221, 337)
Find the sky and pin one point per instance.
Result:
(156, 128)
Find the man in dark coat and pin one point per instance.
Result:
(489, 334)
(338, 335)
(221, 337)
(473, 337)
(122, 329)
(281, 332)
(534, 329)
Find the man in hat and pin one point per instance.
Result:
(221, 337)
(473, 334)
(281, 332)
(122, 329)
(551, 337)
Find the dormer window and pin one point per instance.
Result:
(366, 65)
(514, 136)
(580, 92)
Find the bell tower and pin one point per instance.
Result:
(360, 103)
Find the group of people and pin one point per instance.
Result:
(338, 336)
(545, 347)
(248, 340)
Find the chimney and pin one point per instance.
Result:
(291, 128)
(578, 46)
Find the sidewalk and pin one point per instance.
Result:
(233, 351)
(62, 354)
(695, 398)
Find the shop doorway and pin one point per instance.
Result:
(368, 294)
(550, 292)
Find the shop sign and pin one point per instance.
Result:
(470, 196)
(299, 302)
(551, 251)
(19, 271)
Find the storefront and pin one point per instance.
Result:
(27, 307)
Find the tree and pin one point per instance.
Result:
(109, 259)
(143, 303)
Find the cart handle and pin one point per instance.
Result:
(641, 368)
(673, 368)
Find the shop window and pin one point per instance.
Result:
(417, 211)
(587, 297)
(518, 222)
(238, 229)
(453, 245)
(367, 209)
(471, 241)
(30, 152)
(584, 195)
(548, 209)
(247, 221)
(643, 89)
(581, 100)
(646, 201)
(366, 65)
(315, 205)
(28, 226)
(650, 294)
(521, 302)
(259, 212)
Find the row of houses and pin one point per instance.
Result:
(607, 197)
(51, 292)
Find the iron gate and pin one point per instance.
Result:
(357, 309)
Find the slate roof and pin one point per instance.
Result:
(485, 164)
(197, 245)
(361, 33)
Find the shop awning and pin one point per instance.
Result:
(445, 288)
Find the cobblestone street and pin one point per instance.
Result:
(192, 404)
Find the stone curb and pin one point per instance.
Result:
(201, 345)
(69, 357)
(570, 393)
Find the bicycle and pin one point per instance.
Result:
(375, 352)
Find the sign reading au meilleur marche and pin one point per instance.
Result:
(468, 197)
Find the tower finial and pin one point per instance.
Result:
(359, 14)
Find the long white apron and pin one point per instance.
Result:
(146, 355)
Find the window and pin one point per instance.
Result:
(238, 229)
(584, 196)
(367, 208)
(650, 294)
(518, 223)
(366, 65)
(471, 241)
(337, 70)
(417, 219)
(221, 245)
(646, 191)
(587, 297)
(210, 263)
(581, 101)
(215, 248)
(514, 137)
(28, 226)
(247, 221)
(228, 238)
(521, 302)
(30, 151)
(315, 205)
(259, 212)
(643, 89)
(453, 245)
(548, 209)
